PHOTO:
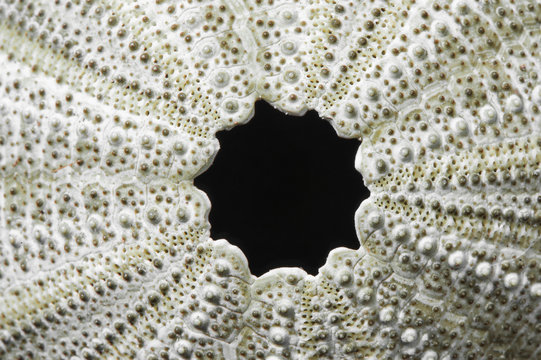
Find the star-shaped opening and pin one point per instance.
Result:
(284, 189)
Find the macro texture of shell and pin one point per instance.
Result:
(109, 109)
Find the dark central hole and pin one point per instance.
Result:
(284, 190)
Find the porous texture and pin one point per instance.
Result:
(109, 109)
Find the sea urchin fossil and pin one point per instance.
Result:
(109, 109)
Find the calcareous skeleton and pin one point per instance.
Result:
(109, 109)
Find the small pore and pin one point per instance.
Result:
(284, 190)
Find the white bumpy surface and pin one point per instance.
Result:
(109, 109)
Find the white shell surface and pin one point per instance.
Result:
(109, 109)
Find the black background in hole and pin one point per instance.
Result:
(284, 190)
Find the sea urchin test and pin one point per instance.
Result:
(109, 109)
